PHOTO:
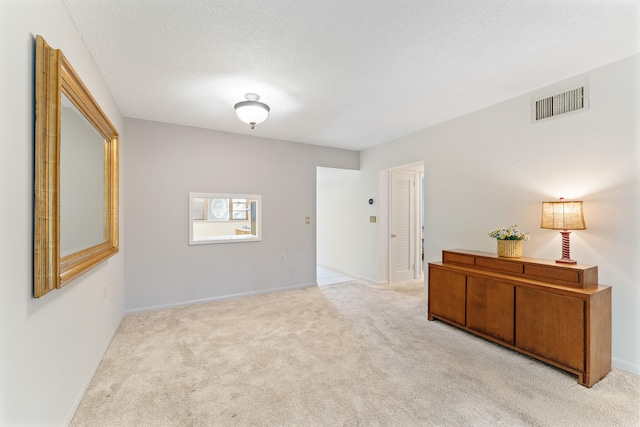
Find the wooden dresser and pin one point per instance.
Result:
(556, 313)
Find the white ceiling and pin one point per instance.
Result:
(343, 73)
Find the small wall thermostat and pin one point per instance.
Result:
(370, 201)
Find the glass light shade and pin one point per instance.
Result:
(252, 112)
(562, 216)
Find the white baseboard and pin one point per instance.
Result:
(375, 282)
(213, 299)
(625, 366)
(87, 383)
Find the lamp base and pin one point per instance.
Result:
(566, 256)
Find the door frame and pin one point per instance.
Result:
(385, 226)
(412, 226)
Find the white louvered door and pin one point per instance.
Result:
(402, 223)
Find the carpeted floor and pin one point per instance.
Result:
(350, 354)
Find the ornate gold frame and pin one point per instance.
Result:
(54, 75)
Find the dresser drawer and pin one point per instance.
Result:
(554, 273)
(500, 265)
(457, 258)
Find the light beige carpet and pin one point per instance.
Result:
(350, 354)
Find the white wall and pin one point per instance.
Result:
(493, 168)
(165, 162)
(49, 347)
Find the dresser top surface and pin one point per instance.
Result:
(522, 259)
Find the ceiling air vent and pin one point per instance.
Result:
(561, 103)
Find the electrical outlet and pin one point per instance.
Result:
(283, 257)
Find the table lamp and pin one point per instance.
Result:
(563, 216)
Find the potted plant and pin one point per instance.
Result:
(509, 241)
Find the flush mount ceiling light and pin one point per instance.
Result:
(251, 111)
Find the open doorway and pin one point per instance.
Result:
(326, 276)
(336, 237)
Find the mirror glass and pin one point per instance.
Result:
(81, 181)
(224, 218)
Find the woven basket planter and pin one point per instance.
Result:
(510, 248)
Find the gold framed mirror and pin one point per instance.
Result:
(76, 176)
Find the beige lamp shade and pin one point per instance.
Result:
(562, 215)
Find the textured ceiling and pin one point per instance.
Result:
(343, 73)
